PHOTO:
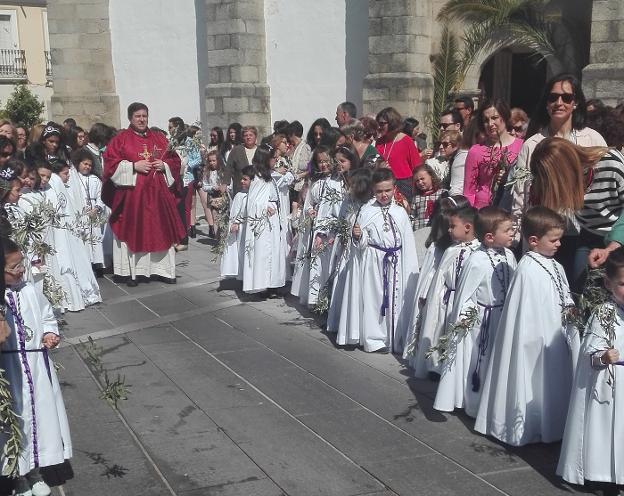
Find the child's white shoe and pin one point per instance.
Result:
(40, 488)
(22, 488)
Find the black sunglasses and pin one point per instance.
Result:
(565, 97)
(444, 125)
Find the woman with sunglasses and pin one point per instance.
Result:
(561, 113)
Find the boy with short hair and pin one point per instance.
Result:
(479, 298)
(384, 239)
(527, 387)
(234, 250)
(45, 430)
(441, 294)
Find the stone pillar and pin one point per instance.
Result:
(82, 64)
(604, 76)
(237, 89)
(399, 66)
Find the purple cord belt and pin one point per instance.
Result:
(484, 338)
(390, 256)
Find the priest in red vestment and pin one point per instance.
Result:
(139, 173)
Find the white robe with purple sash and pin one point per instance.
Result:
(527, 386)
(30, 371)
(592, 447)
(483, 285)
(439, 304)
(389, 268)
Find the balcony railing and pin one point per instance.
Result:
(12, 64)
(48, 62)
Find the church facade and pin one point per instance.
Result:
(255, 61)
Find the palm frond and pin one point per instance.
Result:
(478, 11)
(446, 66)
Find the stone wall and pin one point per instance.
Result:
(399, 66)
(604, 77)
(80, 46)
(237, 90)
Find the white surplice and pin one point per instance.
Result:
(439, 305)
(282, 184)
(45, 431)
(232, 258)
(331, 195)
(389, 268)
(345, 307)
(264, 263)
(92, 197)
(301, 267)
(527, 386)
(77, 276)
(592, 444)
(430, 264)
(483, 285)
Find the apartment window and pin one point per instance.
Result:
(8, 30)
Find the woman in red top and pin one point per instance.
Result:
(398, 149)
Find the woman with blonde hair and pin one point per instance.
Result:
(586, 184)
(8, 129)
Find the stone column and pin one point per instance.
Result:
(237, 89)
(82, 64)
(399, 66)
(604, 76)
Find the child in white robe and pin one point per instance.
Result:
(592, 446)
(441, 294)
(264, 263)
(533, 341)
(384, 239)
(301, 279)
(345, 305)
(45, 430)
(479, 299)
(331, 197)
(438, 242)
(77, 277)
(282, 178)
(233, 254)
(91, 187)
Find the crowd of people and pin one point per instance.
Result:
(467, 254)
(468, 258)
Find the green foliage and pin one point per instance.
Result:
(23, 107)
(446, 75)
(490, 25)
(10, 428)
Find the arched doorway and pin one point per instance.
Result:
(515, 76)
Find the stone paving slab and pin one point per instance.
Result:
(106, 458)
(235, 396)
(295, 458)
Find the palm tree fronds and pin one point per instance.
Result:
(446, 67)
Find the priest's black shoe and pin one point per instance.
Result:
(167, 280)
(132, 283)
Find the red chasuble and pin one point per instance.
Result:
(144, 216)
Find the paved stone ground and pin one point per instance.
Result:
(236, 397)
